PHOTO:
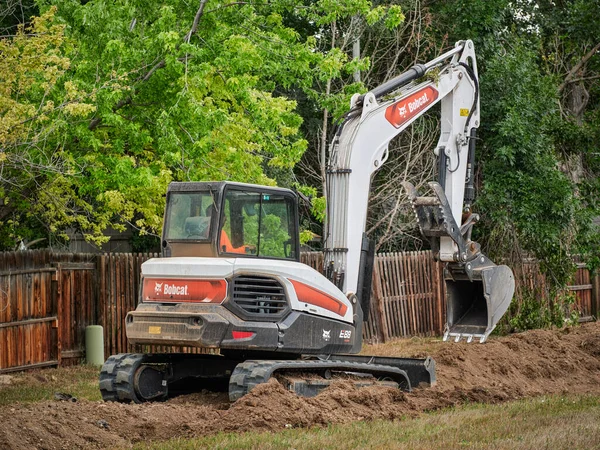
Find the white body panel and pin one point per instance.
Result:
(188, 267)
(218, 268)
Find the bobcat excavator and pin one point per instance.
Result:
(231, 279)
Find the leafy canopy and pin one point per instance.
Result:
(126, 96)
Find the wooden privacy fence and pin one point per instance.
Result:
(48, 299)
(407, 297)
(118, 285)
(584, 286)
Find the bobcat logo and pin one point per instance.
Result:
(402, 111)
(158, 288)
(326, 335)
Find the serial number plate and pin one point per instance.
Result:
(154, 330)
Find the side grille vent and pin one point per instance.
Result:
(259, 296)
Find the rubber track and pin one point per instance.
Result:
(117, 378)
(249, 374)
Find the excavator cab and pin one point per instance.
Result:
(226, 219)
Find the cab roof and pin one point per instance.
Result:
(193, 186)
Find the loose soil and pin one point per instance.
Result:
(521, 365)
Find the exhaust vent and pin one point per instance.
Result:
(258, 297)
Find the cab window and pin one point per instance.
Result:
(258, 224)
(189, 216)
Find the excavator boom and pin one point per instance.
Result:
(478, 291)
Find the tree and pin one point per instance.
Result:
(172, 93)
(336, 27)
(14, 13)
(36, 105)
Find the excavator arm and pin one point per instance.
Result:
(478, 291)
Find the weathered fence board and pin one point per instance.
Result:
(406, 294)
(583, 288)
(76, 303)
(118, 285)
(44, 308)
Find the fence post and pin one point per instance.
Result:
(379, 303)
(596, 295)
(59, 312)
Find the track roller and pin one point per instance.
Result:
(126, 378)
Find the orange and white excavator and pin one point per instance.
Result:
(230, 276)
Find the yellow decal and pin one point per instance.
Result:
(154, 330)
(464, 112)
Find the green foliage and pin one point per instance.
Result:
(485, 23)
(326, 12)
(318, 204)
(522, 183)
(306, 236)
(143, 242)
(532, 310)
(38, 102)
(273, 234)
(337, 24)
(538, 164)
(139, 94)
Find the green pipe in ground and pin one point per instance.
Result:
(94, 345)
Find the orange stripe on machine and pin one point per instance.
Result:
(183, 290)
(312, 296)
(405, 109)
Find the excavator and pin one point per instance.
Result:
(230, 276)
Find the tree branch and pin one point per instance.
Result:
(159, 65)
(97, 120)
(594, 77)
(196, 20)
(577, 67)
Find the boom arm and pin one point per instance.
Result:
(360, 148)
(478, 292)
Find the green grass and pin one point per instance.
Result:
(557, 422)
(38, 385)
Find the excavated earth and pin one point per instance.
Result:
(521, 365)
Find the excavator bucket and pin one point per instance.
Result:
(476, 299)
(478, 292)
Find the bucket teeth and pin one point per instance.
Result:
(468, 337)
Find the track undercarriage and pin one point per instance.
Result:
(140, 378)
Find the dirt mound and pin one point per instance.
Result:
(527, 364)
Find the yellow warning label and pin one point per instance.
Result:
(464, 112)
(154, 330)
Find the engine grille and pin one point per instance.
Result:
(259, 296)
